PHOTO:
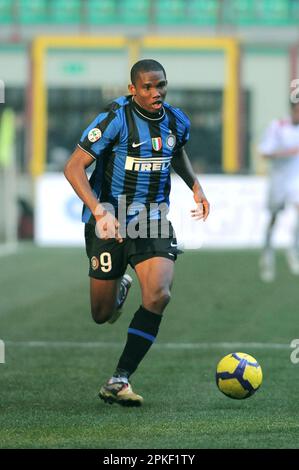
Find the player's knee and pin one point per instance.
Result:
(100, 314)
(99, 320)
(159, 299)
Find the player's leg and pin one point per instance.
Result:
(107, 298)
(108, 284)
(296, 234)
(277, 196)
(155, 276)
(153, 260)
(103, 298)
(269, 230)
(292, 254)
(123, 290)
(267, 259)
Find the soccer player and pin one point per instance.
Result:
(133, 145)
(280, 145)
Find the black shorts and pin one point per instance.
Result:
(109, 259)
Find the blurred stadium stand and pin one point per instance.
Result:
(257, 23)
(150, 12)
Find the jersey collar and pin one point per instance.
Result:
(146, 114)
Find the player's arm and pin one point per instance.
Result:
(270, 145)
(182, 166)
(290, 152)
(75, 173)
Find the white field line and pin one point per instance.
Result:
(176, 346)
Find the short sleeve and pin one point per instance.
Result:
(183, 128)
(185, 137)
(100, 134)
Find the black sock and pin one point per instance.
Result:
(142, 333)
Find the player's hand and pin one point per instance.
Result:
(107, 226)
(202, 209)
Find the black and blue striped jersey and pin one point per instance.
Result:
(133, 150)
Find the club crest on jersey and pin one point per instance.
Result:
(94, 263)
(157, 143)
(171, 141)
(94, 135)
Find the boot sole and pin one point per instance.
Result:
(128, 403)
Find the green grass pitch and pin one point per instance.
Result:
(57, 358)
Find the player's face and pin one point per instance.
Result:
(149, 90)
(295, 114)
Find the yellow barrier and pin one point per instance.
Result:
(230, 160)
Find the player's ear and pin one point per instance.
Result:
(132, 89)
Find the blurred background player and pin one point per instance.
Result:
(133, 143)
(280, 145)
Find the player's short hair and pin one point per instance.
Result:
(145, 65)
